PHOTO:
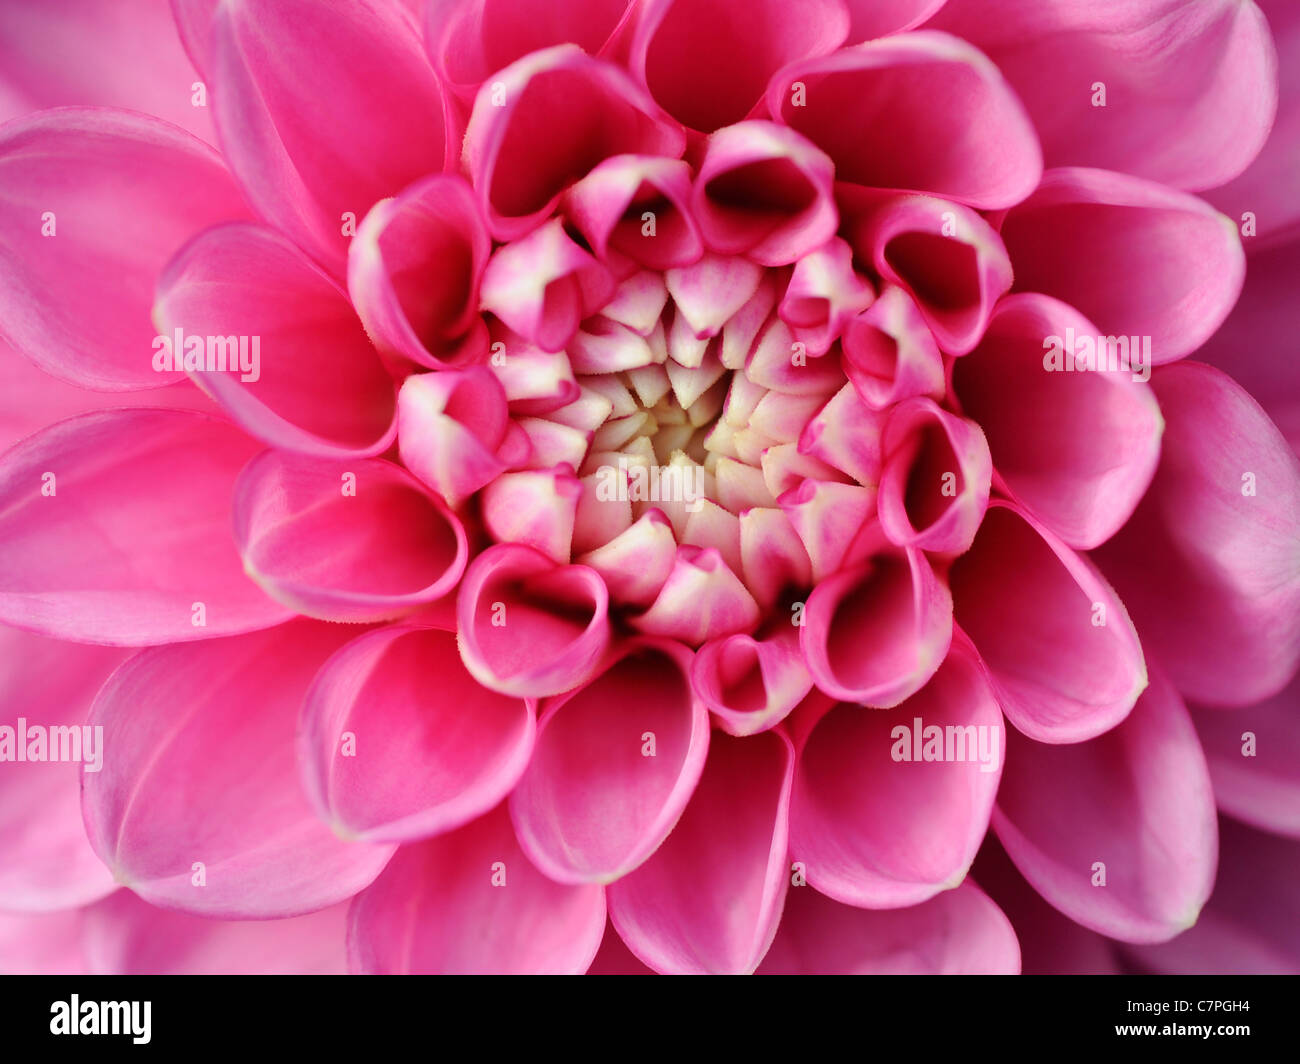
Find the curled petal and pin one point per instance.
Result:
(845, 434)
(736, 826)
(1144, 779)
(278, 344)
(414, 269)
(765, 191)
(469, 902)
(92, 204)
(1075, 449)
(1211, 558)
(211, 726)
(116, 529)
(546, 121)
(1144, 261)
(890, 354)
(702, 599)
(528, 626)
(615, 763)
(773, 557)
(890, 808)
(635, 564)
(827, 517)
(960, 932)
(358, 541)
(707, 293)
(823, 295)
(397, 741)
(534, 507)
(922, 112)
(1061, 652)
(751, 684)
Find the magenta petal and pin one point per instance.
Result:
(355, 541)
(869, 19)
(92, 204)
(735, 826)
(1075, 449)
(112, 537)
(1144, 261)
(615, 764)
(613, 958)
(470, 902)
(701, 599)
(879, 823)
(398, 741)
(922, 112)
(878, 629)
(1189, 90)
(890, 354)
(1209, 561)
(544, 122)
(414, 269)
(126, 936)
(1062, 654)
(959, 932)
(308, 168)
(750, 684)
(192, 729)
(1254, 756)
(1144, 780)
(45, 861)
(281, 349)
(529, 626)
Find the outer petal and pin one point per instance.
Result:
(126, 936)
(1211, 558)
(469, 902)
(960, 932)
(1075, 449)
(734, 830)
(922, 112)
(1190, 89)
(874, 824)
(45, 861)
(869, 19)
(199, 729)
(305, 166)
(116, 530)
(94, 202)
(306, 378)
(1144, 780)
(1143, 260)
(357, 541)
(1061, 651)
(615, 764)
(397, 741)
(42, 943)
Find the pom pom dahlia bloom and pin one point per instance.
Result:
(548, 487)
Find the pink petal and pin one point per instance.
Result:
(1062, 654)
(676, 53)
(960, 932)
(45, 861)
(199, 807)
(827, 517)
(702, 599)
(1075, 449)
(874, 825)
(356, 541)
(133, 545)
(869, 19)
(76, 52)
(736, 827)
(636, 563)
(1209, 560)
(1149, 821)
(308, 168)
(117, 193)
(889, 352)
(535, 507)
(614, 766)
(530, 627)
(765, 191)
(42, 943)
(562, 113)
(934, 485)
(1144, 260)
(946, 257)
(750, 684)
(1190, 89)
(469, 902)
(877, 630)
(126, 936)
(320, 389)
(414, 269)
(429, 749)
(614, 958)
(922, 112)
(824, 294)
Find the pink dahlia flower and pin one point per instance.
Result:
(548, 487)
